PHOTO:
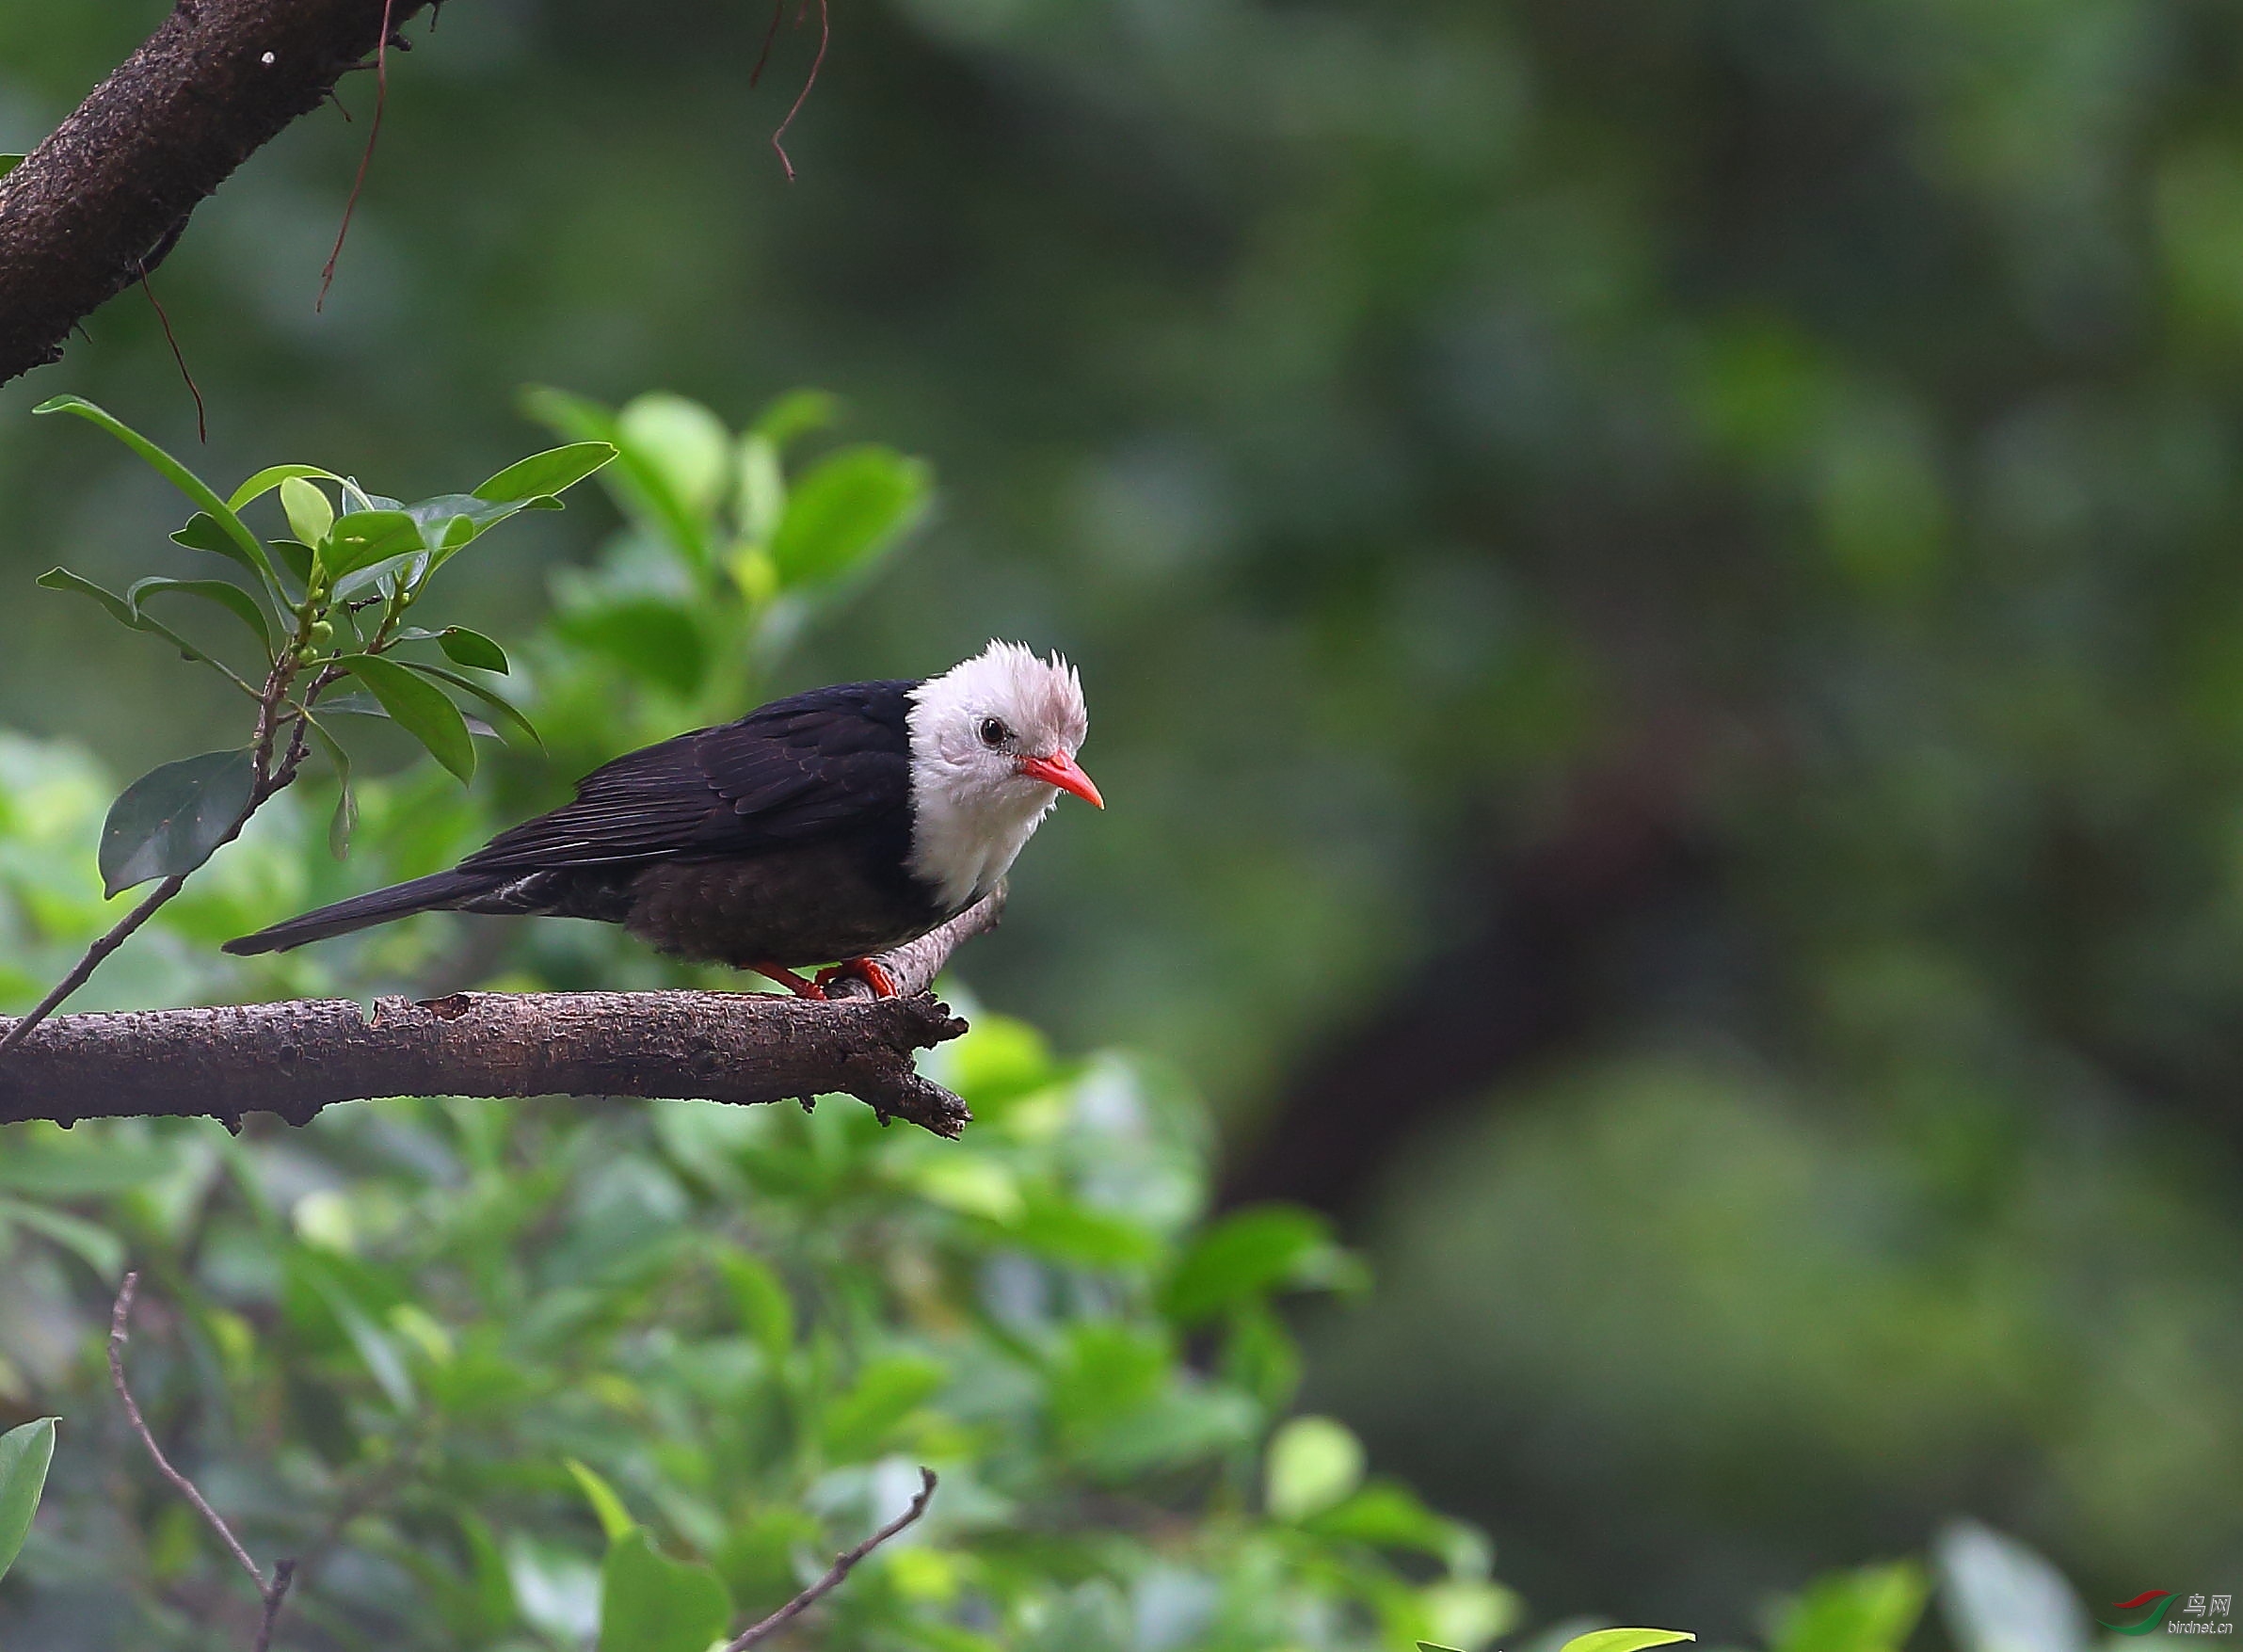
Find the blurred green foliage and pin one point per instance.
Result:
(1823, 415)
(450, 1351)
(402, 1344)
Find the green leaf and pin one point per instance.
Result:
(1001, 1060)
(355, 498)
(762, 501)
(353, 705)
(543, 475)
(364, 538)
(204, 532)
(758, 1558)
(1313, 1464)
(1874, 1609)
(450, 520)
(345, 819)
(124, 613)
(472, 647)
(293, 556)
(310, 512)
(94, 1245)
(650, 1603)
(375, 1349)
(637, 485)
(242, 546)
(61, 579)
(796, 414)
(1075, 1232)
(172, 819)
(857, 1425)
(681, 442)
(264, 481)
(1471, 1612)
(1184, 1425)
(655, 640)
(374, 573)
(521, 734)
(225, 593)
(1386, 1516)
(1104, 1372)
(25, 1454)
(1624, 1640)
(423, 710)
(58, 1173)
(849, 508)
(615, 1519)
(1248, 1255)
(766, 1311)
(562, 411)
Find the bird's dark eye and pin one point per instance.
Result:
(994, 732)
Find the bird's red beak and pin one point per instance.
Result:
(1059, 770)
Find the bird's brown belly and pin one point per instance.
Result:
(808, 906)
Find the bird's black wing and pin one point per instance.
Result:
(832, 761)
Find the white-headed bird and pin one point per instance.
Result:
(828, 825)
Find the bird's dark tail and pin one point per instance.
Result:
(441, 891)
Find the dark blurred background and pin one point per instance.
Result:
(1661, 595)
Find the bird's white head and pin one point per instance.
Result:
(993, 744)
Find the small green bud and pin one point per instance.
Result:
(321, 631)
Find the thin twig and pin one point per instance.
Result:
(122, 930)
(381, 99)
(802, 97)
(201, 423)
(778, 15)
(283, 1575)
(840, 1569)
(270, 1592)
(85, 965)
(267, 779)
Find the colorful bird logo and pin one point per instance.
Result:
(2159, 1601)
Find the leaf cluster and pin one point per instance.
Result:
(734, 543)
(325, 601)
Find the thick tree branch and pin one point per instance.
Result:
(297, 1057)
(104, 197)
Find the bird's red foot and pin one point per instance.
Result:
(791, 982)
(873, 975)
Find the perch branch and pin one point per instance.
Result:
(271, 1591)
(297, 1057)
(835, 1573)
(101, 199)
(913, 965)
